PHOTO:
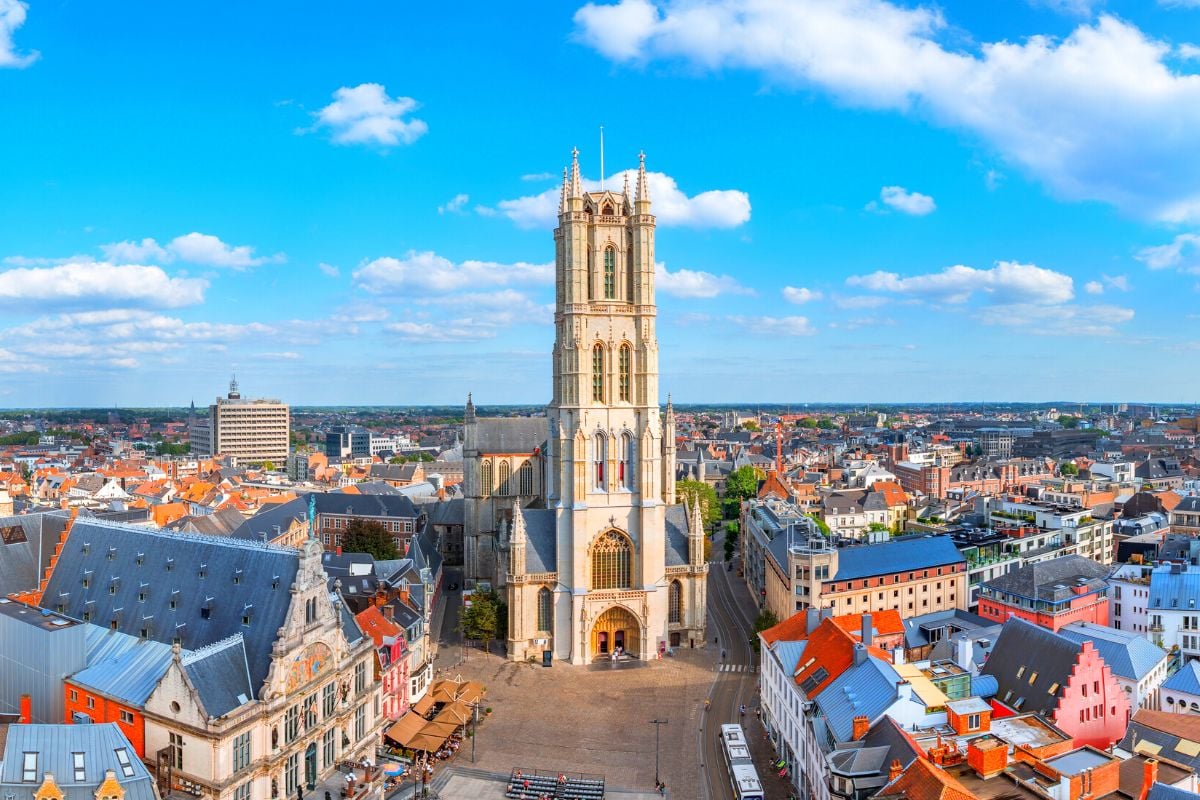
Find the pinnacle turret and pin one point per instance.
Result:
(576, 181)
(566, 188)
(643, 191)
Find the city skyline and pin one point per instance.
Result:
(971, 206)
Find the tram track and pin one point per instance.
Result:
(735, 679)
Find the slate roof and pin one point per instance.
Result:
(1128, 654)
(902, 555)
(123, 561)
(220, 523)
(677, 535)
(449, 512)
(871, 757)
(1039, 580)
(1159, 733)
(221, 675)
(1186, 680)
(1027, 648)
(1160, 791)
(19, 560)
(866, 689)
(918, 628)
(1174, 590)
(1190, 504)
(121, 666)
(541, 540)
(853, 501)
(355, 505)
(510, 434)
(55, 746)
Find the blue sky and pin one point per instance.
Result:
(858, 201)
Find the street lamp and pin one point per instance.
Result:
(657, 723)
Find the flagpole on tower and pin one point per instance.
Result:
(602, 158)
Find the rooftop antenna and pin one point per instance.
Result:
(602, 158)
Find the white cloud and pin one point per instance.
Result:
(455, 206)
(364, 114)
(1189, 52)
(287, 355)
(194, 248)
(427, 272)
(775, 326)
(798, 295)
(695, 284)
(461, 330)
(1007, 282)
(1100, 114)
(12, 16)
(1076, 8)
(1118, 282)
(1064, 320)
(538, 176)
(860, 301)
(1182, 253)
(1094, 287)
(202, 248)
(907, 202)
(716, 208)
(143, 252)
(99, 283)
(329, 269)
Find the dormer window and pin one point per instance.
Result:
(170, 564)
(141, 558)
(203, 570)
(237, 577)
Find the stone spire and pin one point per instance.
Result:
(562, 199)
(643, 191)
(516, 542)
(625, 191)
(469, 416)
(696, 533)
(576, 181)
(668, 452)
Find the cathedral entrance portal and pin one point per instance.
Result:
(615, 629)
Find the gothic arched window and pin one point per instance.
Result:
(591, 276)
(611, 556)
(624, 369)
(599, 456)
(505, 486)
(629, 279)
(675, 604)
(545, 610)
(598, 373)
(625, 463)
(486, 486)
(610, 273)
(526, 479)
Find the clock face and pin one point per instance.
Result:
(308, 665)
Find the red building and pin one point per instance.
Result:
(1050, 594)
(391, 663)
(1065, 681)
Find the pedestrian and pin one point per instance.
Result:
(742, 709)
(327, 795)
(299, 793)
(662, 789)
(722, 655)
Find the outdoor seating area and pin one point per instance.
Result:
(433, 729)
(532, 784)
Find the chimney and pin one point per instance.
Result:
(26, 710)
(862, 724)
(1149, 776)
(895, 770)
(812, 619)
(403, 593)
(389, 612)
(868, 633)
(860, 653)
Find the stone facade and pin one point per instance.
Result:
(598, 558)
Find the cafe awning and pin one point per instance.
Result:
(457, 712)
(423, 705)
(405, 728)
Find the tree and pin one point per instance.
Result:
(766, 619)
(751, 426)
(821, 524)
(710, 511)
(1068, 468)
(807, 422)
(1068, 421)
(269, 466)
(482, 619)
(877, 526)
(742, 484)
(825, 423)
(368, 536)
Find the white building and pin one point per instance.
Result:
(250, 431)
(1181, 692)
(1129, 596)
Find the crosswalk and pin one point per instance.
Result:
(737, 668)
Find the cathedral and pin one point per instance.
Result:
(572, 516)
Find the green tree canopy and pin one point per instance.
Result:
(710, 510)
(807, 422)
(742, 484)
(825, 423)
(368, 536)
(481, 620)
(1067, 468)
(821, 525)
(765, 619)
(1068, 421)
(751, 425)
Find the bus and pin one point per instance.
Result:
(743, 778)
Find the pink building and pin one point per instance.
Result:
(391, 662)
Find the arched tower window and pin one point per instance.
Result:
(624, 368)
(545, 610)
(608, 209)
(505, 486)
(629, 278)
(591, 274)
(625, 463)
(610, 273)
(611, 556)
(675, 604)
(599, 456)
(486, 486)
(598, 373)
(525, 475)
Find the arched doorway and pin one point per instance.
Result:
(616, 628)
